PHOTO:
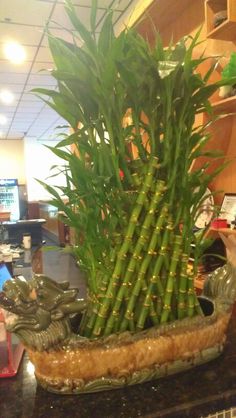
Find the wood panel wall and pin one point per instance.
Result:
(173, 20)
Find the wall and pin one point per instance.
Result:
(12, 160)
(38, 163)
(27, 160)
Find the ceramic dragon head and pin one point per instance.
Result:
(40, 305)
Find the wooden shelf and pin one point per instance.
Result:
(227, 29)
(225, 105)
(214, 232)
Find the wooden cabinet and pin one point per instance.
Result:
(33, 210)
(215, 10)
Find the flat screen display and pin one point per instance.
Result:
(4, 275)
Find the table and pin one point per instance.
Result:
(30, 226)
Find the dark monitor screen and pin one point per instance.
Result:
(4, 274)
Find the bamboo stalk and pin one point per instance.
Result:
(171, 278)
(145, 264)
(191, 296)
(121, 256)
(155, 278)
(183, 286)
(160, 188)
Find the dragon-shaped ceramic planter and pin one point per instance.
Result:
(41, 312)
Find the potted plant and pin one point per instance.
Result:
(132, 197)
(229, 71)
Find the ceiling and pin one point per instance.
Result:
(24, 21)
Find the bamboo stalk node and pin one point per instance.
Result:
(115, 284)
(175, 257)
(129, 315)
(154, 279)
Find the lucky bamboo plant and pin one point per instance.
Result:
(132, 194)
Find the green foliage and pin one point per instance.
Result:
(230, 69)
(126, 210)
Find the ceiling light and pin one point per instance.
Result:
(6, 97)
(14, 52)
(3, 120)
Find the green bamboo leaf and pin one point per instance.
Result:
(211, 70)
(93, 16)
(82, 30)
(64, 155)
(106, 35)
(63, 105)
(63, 56)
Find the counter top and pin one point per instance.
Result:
(25, 222)
(193, 394)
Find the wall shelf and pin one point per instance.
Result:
(225, 105)
(214, 232)
(227, 29)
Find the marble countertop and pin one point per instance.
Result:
(194, 394)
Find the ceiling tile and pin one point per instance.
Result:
(25, 106)
(44, 54)
(20, 125)
(23, 112)
(48, 114)
(7, 124)
(85, 3)
(14, 88)
(41, 80)
(9, 115)
(16, 97)
(26, 35)
(29, 119)
(122, 4)
(3, 129)
(7, 109)
(28, 19)
(29, 97)
(15, 135)
(36, 131)
(29, 12)
(8, 67)
(15, 78)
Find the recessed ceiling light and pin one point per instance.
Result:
(6, 96)
(3, 120)
(14, 52)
